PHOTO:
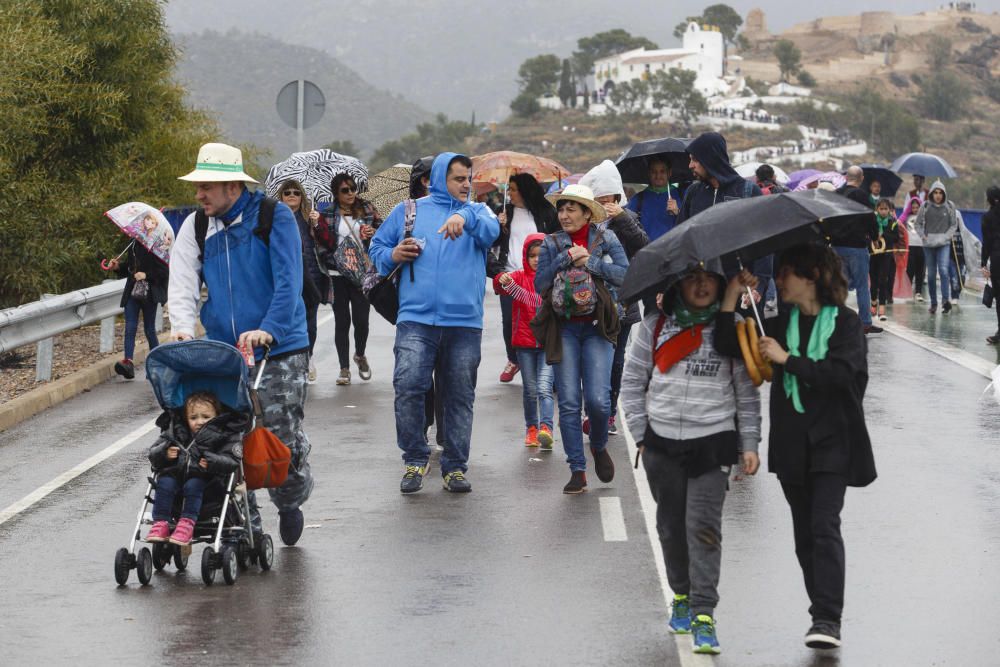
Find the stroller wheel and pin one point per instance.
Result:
(230, 569)
(161, 555)
(207, 568)
(181, 557)
(265, 552)
(144, 566)
(122, 565)
(243, 555)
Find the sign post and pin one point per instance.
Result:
(301, 105)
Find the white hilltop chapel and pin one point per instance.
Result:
(702, 51)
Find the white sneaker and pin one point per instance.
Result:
(312, 372)
(920, 297)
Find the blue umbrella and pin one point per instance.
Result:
(924, 164)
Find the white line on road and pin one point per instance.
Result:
(968, 360)
(613, 520)
(687, 657)
(71, 474)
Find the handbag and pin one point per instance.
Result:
(266, 458)
(988, 295)
(351, 259)
(382, 292)
(140, 290)
(574, 293)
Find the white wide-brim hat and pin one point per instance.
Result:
(583, 196)
(218, 163)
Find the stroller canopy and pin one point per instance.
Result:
(177, 370)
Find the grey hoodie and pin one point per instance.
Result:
(937, 223)
(701, 395)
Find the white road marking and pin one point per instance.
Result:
(613, 520)
(967, 360)
(24, 503)
(683, 642)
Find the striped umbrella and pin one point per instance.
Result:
(314, 170)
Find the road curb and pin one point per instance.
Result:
(17, 410)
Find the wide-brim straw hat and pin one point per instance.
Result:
(583, 196)
(218, 163)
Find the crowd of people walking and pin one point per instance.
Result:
(678, 359)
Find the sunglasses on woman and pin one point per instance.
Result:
(348, 188)
(291, 193)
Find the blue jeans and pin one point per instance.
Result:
(856, 267)
(132, 309)
(536, 379)
(166, 490)
(456, 351)
(938, 261)
(586, 359)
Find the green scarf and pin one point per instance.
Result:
(819, 345)
(661, 190)
(687, 317)
(882, 223)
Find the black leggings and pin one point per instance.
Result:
(349, 304)
(883, 275)
(916, 268)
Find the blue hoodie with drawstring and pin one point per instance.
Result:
(449, 276)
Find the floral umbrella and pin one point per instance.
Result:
(145, 224)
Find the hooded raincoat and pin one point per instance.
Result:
(449, 277)
(526, 299)
(937, 223)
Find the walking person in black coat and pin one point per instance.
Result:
(140, 266)
(991, 246)
(818, 443)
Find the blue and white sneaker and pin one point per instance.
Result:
(703, 635)
(680, 615)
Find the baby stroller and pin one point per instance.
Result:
(177, 370)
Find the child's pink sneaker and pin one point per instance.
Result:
(183, 532)
(159, 532)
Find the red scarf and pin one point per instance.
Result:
(677, 347)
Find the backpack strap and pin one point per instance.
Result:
(638, 204)
(657, 330)
(265, 220)
(410, 207)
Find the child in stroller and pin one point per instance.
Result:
(195, 444)
(203, 387)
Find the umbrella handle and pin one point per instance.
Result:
(753, 303)
(106, 265)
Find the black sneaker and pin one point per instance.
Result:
(823, 635)
(994, 339)
(290, 525)
(577, 482)
(456, 483)
(125, 368)
(603, 465)
(413, 479)
(872, 329)
(932, 309)
(946, 308)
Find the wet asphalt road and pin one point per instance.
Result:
(515, 573)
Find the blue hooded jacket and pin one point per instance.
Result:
(449, 276)
(253, 285)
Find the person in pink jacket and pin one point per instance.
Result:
(536, 375)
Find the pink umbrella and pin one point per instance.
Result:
(144, 224)
(832, 177)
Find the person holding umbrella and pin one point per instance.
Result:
(579, 269)
(143, 268)
(658, 205)
(818, 443)
(919, 190)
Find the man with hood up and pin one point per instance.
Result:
(936, 224)
(718, 182)
(440, 319)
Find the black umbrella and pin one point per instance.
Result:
(742, 230)
(633, 164)
(888, 179)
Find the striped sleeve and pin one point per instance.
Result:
(747, 407)
(635, 379)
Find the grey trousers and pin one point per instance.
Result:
(689, 524)
(282, 394)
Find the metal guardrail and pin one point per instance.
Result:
(39, 321)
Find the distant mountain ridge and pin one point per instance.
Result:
(237, 76)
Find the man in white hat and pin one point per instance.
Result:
(248, 251)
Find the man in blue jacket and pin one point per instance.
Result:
(254, 281)
(440, 317)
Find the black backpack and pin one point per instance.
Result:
(265, 219)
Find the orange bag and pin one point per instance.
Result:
(265, 459)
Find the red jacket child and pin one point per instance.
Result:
(522, 287)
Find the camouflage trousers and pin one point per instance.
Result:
(282, 395)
